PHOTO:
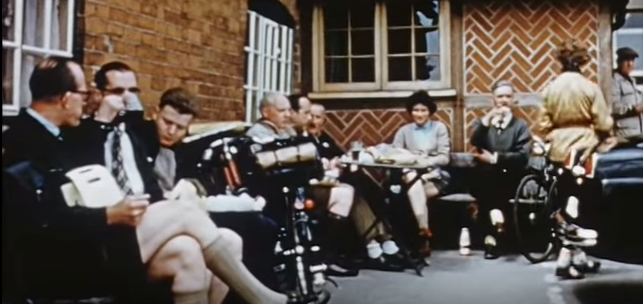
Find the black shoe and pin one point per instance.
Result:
(569, 273)
(491, 252)
(322, 298)
(590, 266)
(382, 264)
(335, 270)
(395, 259)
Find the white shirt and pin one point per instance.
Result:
(129, 161)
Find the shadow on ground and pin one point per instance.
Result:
(609, 292)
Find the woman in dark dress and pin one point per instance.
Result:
(502, 152)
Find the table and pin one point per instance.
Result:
(397, 190)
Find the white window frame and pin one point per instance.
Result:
(274, 70)
(20, 49)
(381, 82)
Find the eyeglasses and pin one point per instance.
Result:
(86, 94)
(121, 91)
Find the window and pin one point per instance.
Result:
(371, 45)
(269, 61)
(631, 35)
(31, 30)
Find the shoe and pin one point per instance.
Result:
(590, 266)
(382, 264)
(425, 246)
(335, 270)
(322, 298)
(574, 233)
(395, 259)
(491, 248)
(569, 273)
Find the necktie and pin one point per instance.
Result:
(118, 168)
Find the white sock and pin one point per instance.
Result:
(579, 258)
(490, 240)
(572, 207)
(496, 217)
(374, 250)
(564, 258)
(389, 247)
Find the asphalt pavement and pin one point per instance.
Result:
(454, 279)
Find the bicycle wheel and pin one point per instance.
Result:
(532, 209)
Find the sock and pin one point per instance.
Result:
(389, 247)
(579, 257)
(490, 240)
(564, 258)
(572, 207)
(199, 297)
(231, 270)
(374, 250)
(496, 217)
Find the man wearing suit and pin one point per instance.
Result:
(99, 250)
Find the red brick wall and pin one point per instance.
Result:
(197, 44)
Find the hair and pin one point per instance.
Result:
(180, 99)
(572, 55)
(52, 77)
(423, 98)
(267, 99)
(294, 100)
(100, 78)
(502, 83)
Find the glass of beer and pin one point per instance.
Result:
(356, 147)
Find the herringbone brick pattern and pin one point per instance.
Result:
(515, 40)
(529, 114)
(373, 126)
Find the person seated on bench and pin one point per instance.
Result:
(277, 121)
(132, 233)
(502, 152)
(171, 121)
(575, 116)
(378, 241)
(427, 137)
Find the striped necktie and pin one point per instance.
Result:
(118, 167)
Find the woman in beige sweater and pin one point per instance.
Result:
(429, 138)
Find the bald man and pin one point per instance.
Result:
(378, 242)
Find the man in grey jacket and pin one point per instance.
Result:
(627, 101)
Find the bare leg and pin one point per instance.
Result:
(164, 221)
(181, 261)
(418, 199)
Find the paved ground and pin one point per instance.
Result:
(453, 279)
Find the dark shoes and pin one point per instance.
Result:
(570, 272)
(386, 262)
(335, 270)
(322, 298)
(491, 251)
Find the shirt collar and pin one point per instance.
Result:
(505, 121)
(53, 129)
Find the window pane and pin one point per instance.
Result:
(7, 76)
(336, 43)
(399, 69)
(28, 63)
(399, 14)
(363, 69)
(634, 41)
(433, 68)
(335, 16)
(399, 41)
(362, 42)
(427, 41)
(634, 20)
(59, 20)
(34, 18)
(336, 70)
(8, 7)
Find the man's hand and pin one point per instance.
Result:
(639, 108)
(495, 111)
(109, 107)
(484, 157)
(128, 212)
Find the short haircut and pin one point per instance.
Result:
(100, 78)
(52, 77)
(502, 83)
(180, 99)
(268, 99)
(421, 97)
(294, 100)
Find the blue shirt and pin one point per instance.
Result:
(53, 129)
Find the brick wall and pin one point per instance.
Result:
(197, 44)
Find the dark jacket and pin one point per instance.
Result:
(51, 248)
(91, 135)
(327, 147)
(511, 144)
